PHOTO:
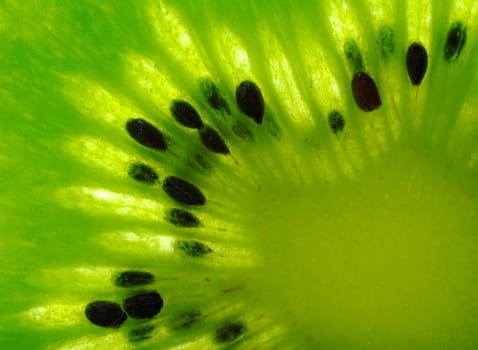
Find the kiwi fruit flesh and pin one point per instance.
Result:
(239, 175)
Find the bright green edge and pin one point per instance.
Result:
(362, 240)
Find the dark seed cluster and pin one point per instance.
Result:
(140, 305)
(250, 101)
(365, 92)
(187, 116)
(336, 121)
(193, 248)
(143, 305)
(105, 314)
(146, 134)
(177, 188)
(417, 63)
(183, 218)
(455, 41)
(212, 140)
(182, 191)
(143, 173)
(354, 57)
(213, 96)
(230, 331)
(129, 279)
(364, 89)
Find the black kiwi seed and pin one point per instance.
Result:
(128, 279)
(417, 63)
(183, 218)
(336, 121)
(250, 101)
(183, 191)
(365, 92)
(146, 134)
(193, 248)
(230, 331)
(186, 115)
(213, 96)
(212, 140)
(385, 42)
(143, 173)
(105, 314)
(455, 41)
(144, 305)
(354, 57)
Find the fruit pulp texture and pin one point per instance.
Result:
(377, 255)
(386, 258)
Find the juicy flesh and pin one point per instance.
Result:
(383, 259)
(363, 239)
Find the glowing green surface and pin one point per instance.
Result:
(389, 258)
(360, 240)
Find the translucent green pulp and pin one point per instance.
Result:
(364, 239)
(389, 258)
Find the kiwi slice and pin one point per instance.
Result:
(239, 174)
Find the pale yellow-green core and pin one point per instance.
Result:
(388, 257)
